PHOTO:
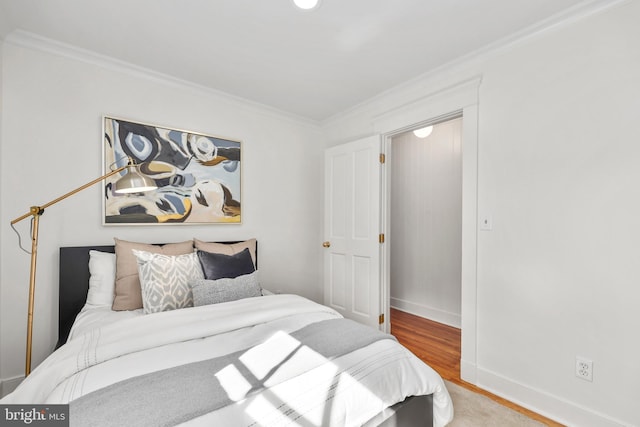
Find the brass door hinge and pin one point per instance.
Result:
(381, 319)
(383, 158)
(381, 238)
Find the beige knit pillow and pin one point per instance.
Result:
(128, 294)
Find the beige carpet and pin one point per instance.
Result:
(474, 410)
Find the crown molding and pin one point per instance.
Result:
(37, 42)
(556, 22)
(563, 19)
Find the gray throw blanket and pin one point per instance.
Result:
(176, 395)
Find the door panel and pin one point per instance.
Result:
(337, 295)
(352, 226)
(361, 286)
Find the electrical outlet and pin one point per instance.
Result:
(584, 368)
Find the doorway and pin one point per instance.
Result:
(457, 100)
(425, 247)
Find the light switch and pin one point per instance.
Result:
(486, 223)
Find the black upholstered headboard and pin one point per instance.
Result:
(74, 284)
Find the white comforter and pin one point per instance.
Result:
(144, 344)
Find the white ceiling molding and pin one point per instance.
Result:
(319, 65)
(526, 35)
(43, 44)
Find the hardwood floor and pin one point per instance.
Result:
(438, 345)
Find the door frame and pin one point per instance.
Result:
(460, 100)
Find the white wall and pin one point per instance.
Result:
(558, 277)
(426, 214)
(51, 143)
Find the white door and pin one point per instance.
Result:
(352, 228)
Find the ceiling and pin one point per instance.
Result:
(313, 64)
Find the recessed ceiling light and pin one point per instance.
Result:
(424, 132)
(306, 4)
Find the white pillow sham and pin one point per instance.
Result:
(102, 280)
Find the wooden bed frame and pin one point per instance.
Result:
(74, 286)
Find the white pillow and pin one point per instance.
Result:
(102, 267)
(164, 280)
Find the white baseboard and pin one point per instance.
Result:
(543, 403)
(9, 384)
(553, 407)
(431, 313)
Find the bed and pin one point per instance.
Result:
(253, 361)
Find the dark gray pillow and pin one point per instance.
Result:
(218, 266)
(227, 289)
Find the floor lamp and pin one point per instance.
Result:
(132, 182)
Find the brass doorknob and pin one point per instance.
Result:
(326, 244)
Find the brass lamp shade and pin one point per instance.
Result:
(133, 182)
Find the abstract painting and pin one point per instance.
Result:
(197, 175)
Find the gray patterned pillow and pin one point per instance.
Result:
(164, 280)
(226, 289)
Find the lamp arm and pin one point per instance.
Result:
(39, 210)
(36, 212)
